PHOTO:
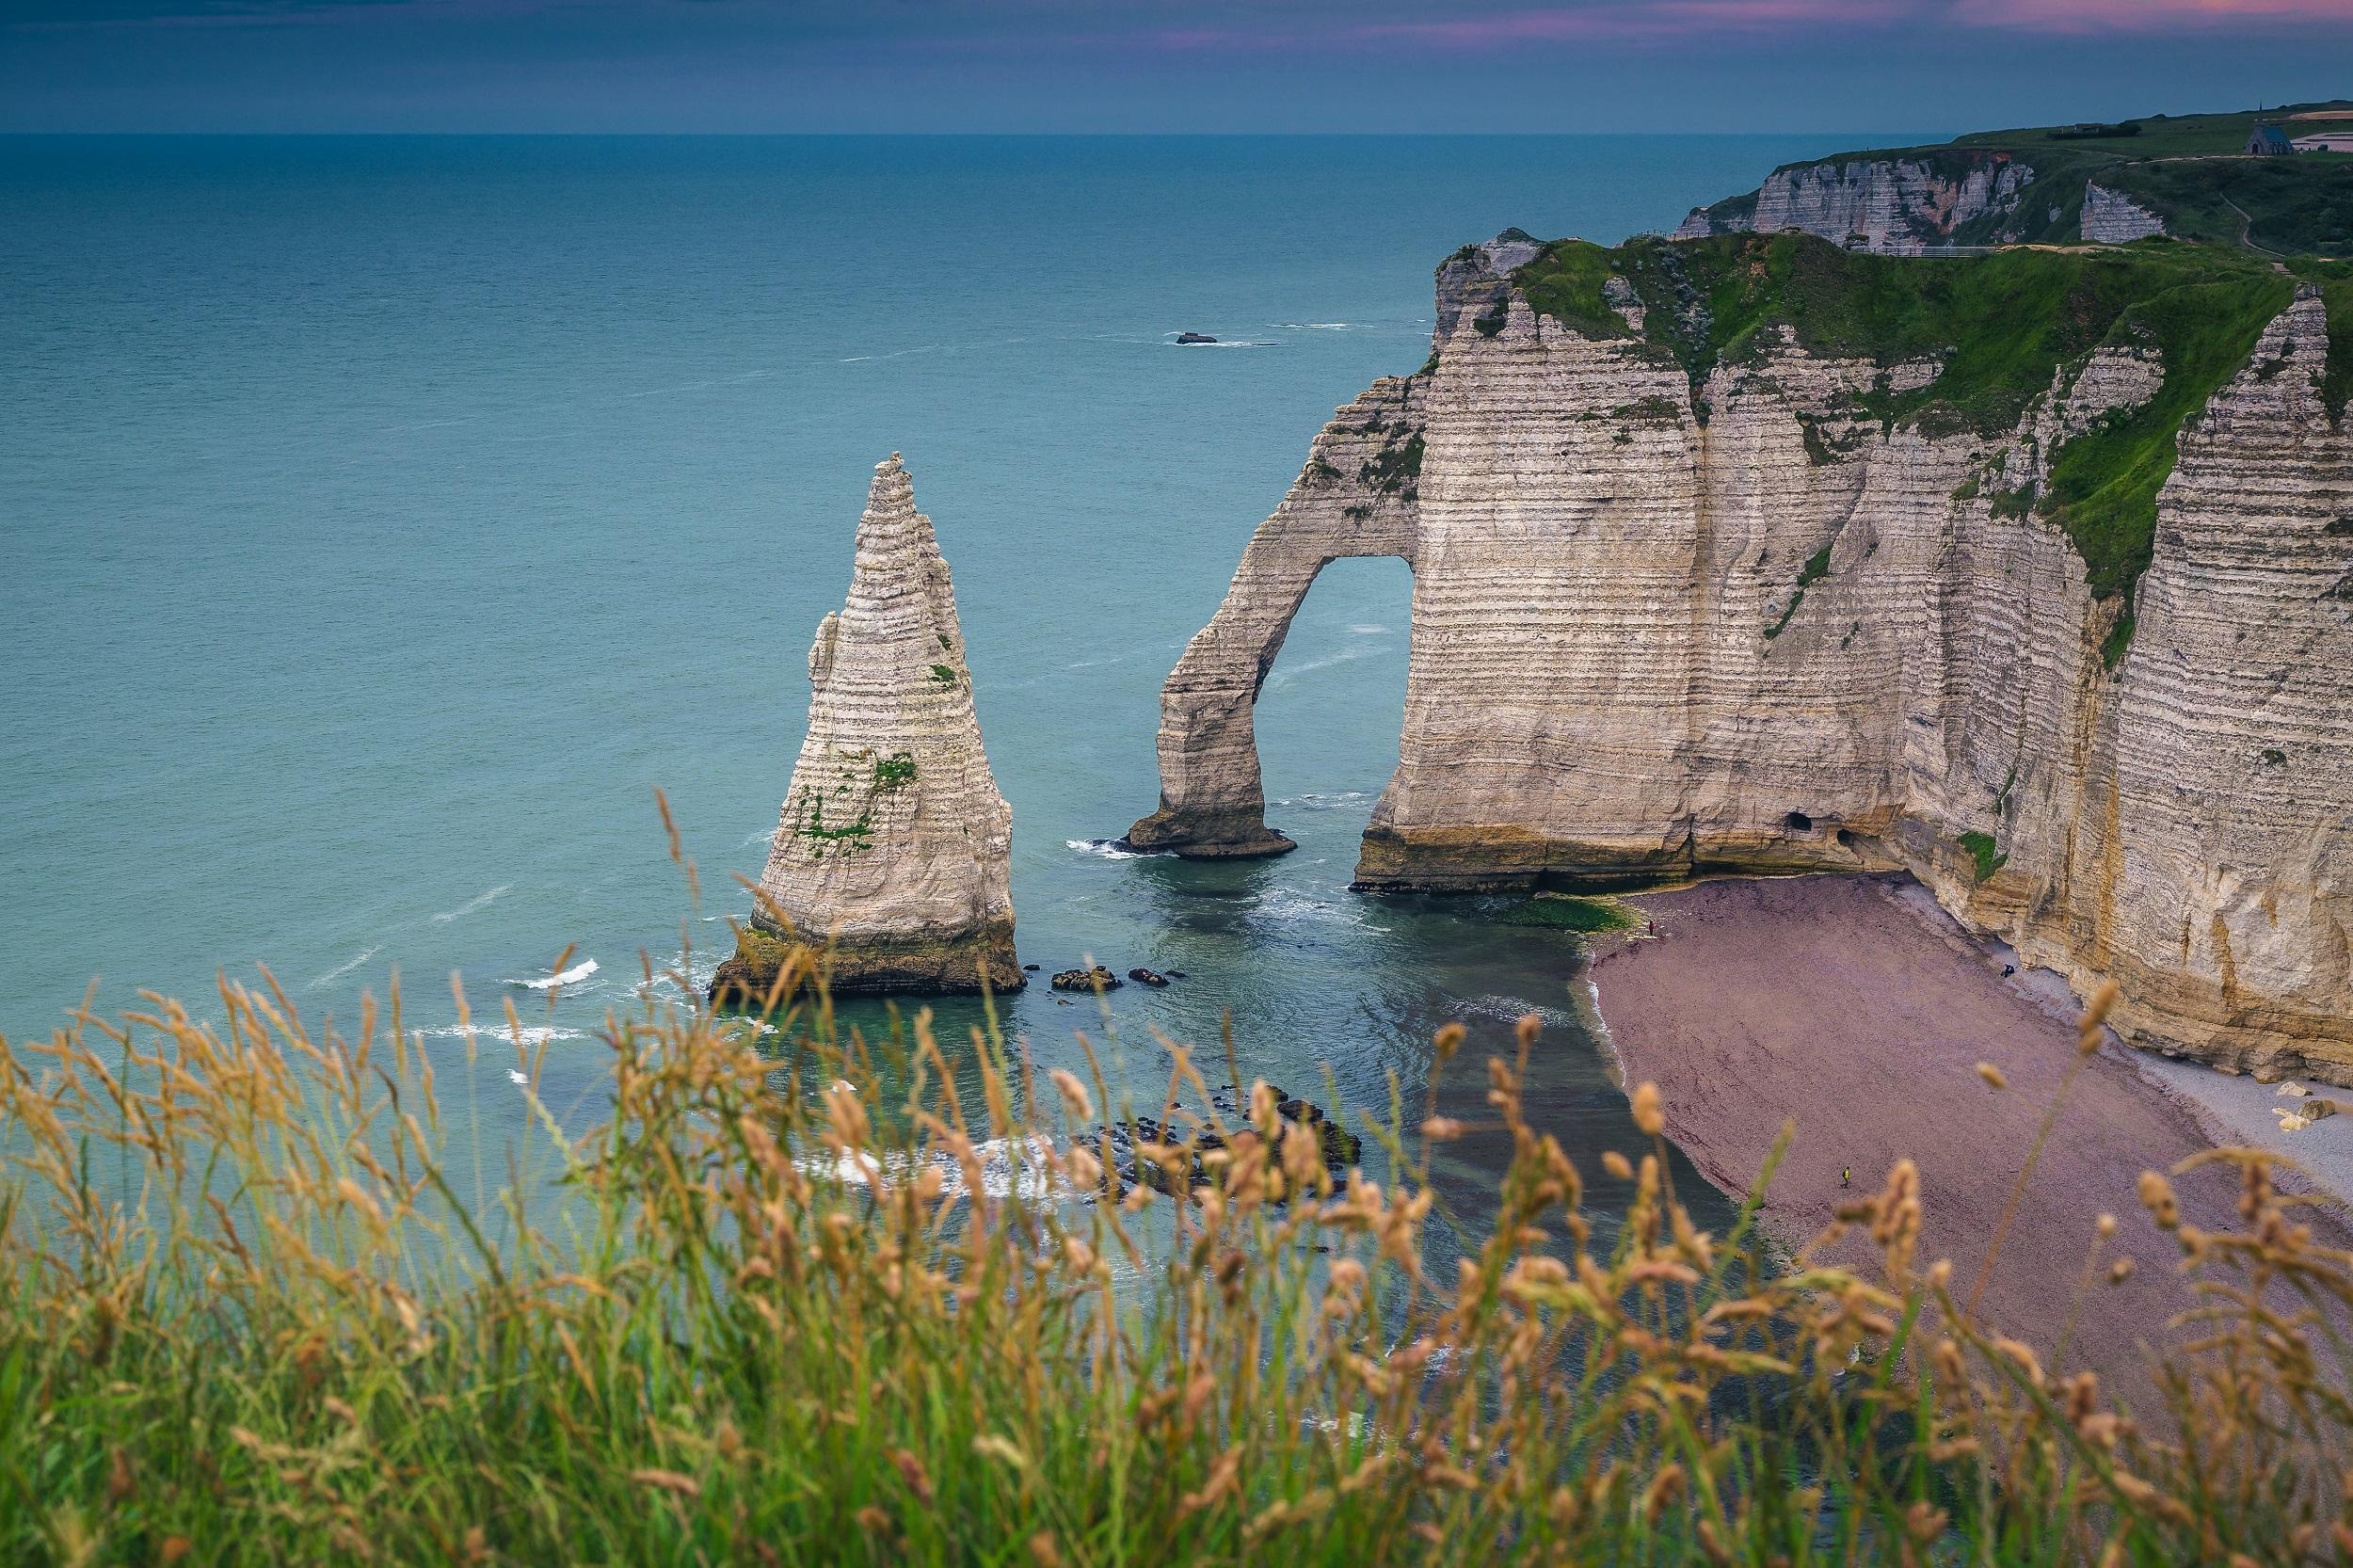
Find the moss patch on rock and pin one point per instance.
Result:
(1981, 850)
(1570, 914)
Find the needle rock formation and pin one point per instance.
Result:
(894, 843)
(1697, 590)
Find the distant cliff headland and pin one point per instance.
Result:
(2030, 573)
(2190, 176)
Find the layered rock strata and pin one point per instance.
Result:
(1897, 206)
(1791, 637)
(2111, 218)
(1357, 496)
(893, 844)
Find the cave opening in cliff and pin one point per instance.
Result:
(1798, 822)
(1329, 715)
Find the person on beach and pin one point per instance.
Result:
(1845, 1174)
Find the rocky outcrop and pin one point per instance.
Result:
(2111, 218)
(1898, 206)
(1356, 496)
(893, 844)
(1662, 628)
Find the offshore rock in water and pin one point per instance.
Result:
(1195, 336)
(1167, 1158)
(1147, 977)
(892, 849)
(1086, 980)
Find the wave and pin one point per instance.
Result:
(346, 967)
(1368, 629)
(1347, 655)
(1287, 907)
(765, 835)
(1104, 849)
(1007, 1166)
(531, 1035)
(1313, 801)
(481, 902)
(1235, 343)
(664, 983)
(580, 970)
(1510, 1010)
(1319, 326)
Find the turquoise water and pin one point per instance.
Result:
(384, 521)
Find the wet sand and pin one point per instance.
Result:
(1853, 1007)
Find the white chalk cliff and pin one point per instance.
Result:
(1894, 205)
(1661, 629)
(894, 846)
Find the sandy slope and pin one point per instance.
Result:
(1852, 1007)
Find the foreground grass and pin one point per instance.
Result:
(841, 1301)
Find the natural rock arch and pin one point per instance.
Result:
(1359, 495)
(1664, 629)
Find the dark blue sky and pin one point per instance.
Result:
(1151, 65)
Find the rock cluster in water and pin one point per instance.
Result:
(893, 844)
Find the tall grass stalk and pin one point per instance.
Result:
(831, 1299)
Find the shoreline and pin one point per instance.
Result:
(1853, 1006)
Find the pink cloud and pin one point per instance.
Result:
(1683, 21)
(2143, 16)
(1635, 19)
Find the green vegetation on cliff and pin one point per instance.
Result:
(1984, 853)
(2188, 169)
(2000, 329)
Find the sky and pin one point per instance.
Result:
(1151, 66)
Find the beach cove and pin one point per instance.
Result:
(1855, 1009)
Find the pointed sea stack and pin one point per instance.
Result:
(894, 839)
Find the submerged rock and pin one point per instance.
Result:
(892, 852)
(1147, 977)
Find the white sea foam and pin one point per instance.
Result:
(481, 901)
(1368, 629)
(1513, 1009)
(580, 970)
(1105, 849)
(765, 835)
(664, 985)
(1322, 325)
(1288, 673)
(531, 1035)
(1282, 906)
(1338, 800)
(520, 1077)
(346, 967)
(1007, 1166)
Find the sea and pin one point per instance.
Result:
(383, 522)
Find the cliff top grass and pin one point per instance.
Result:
(2188, 168)
(2001, 328)
(810, 1298)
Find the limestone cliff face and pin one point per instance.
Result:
(1357, 496)
(1791, 639)
(2111, 218)
(1896, 206)
(894, 841)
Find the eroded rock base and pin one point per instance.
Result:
(950, 965)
